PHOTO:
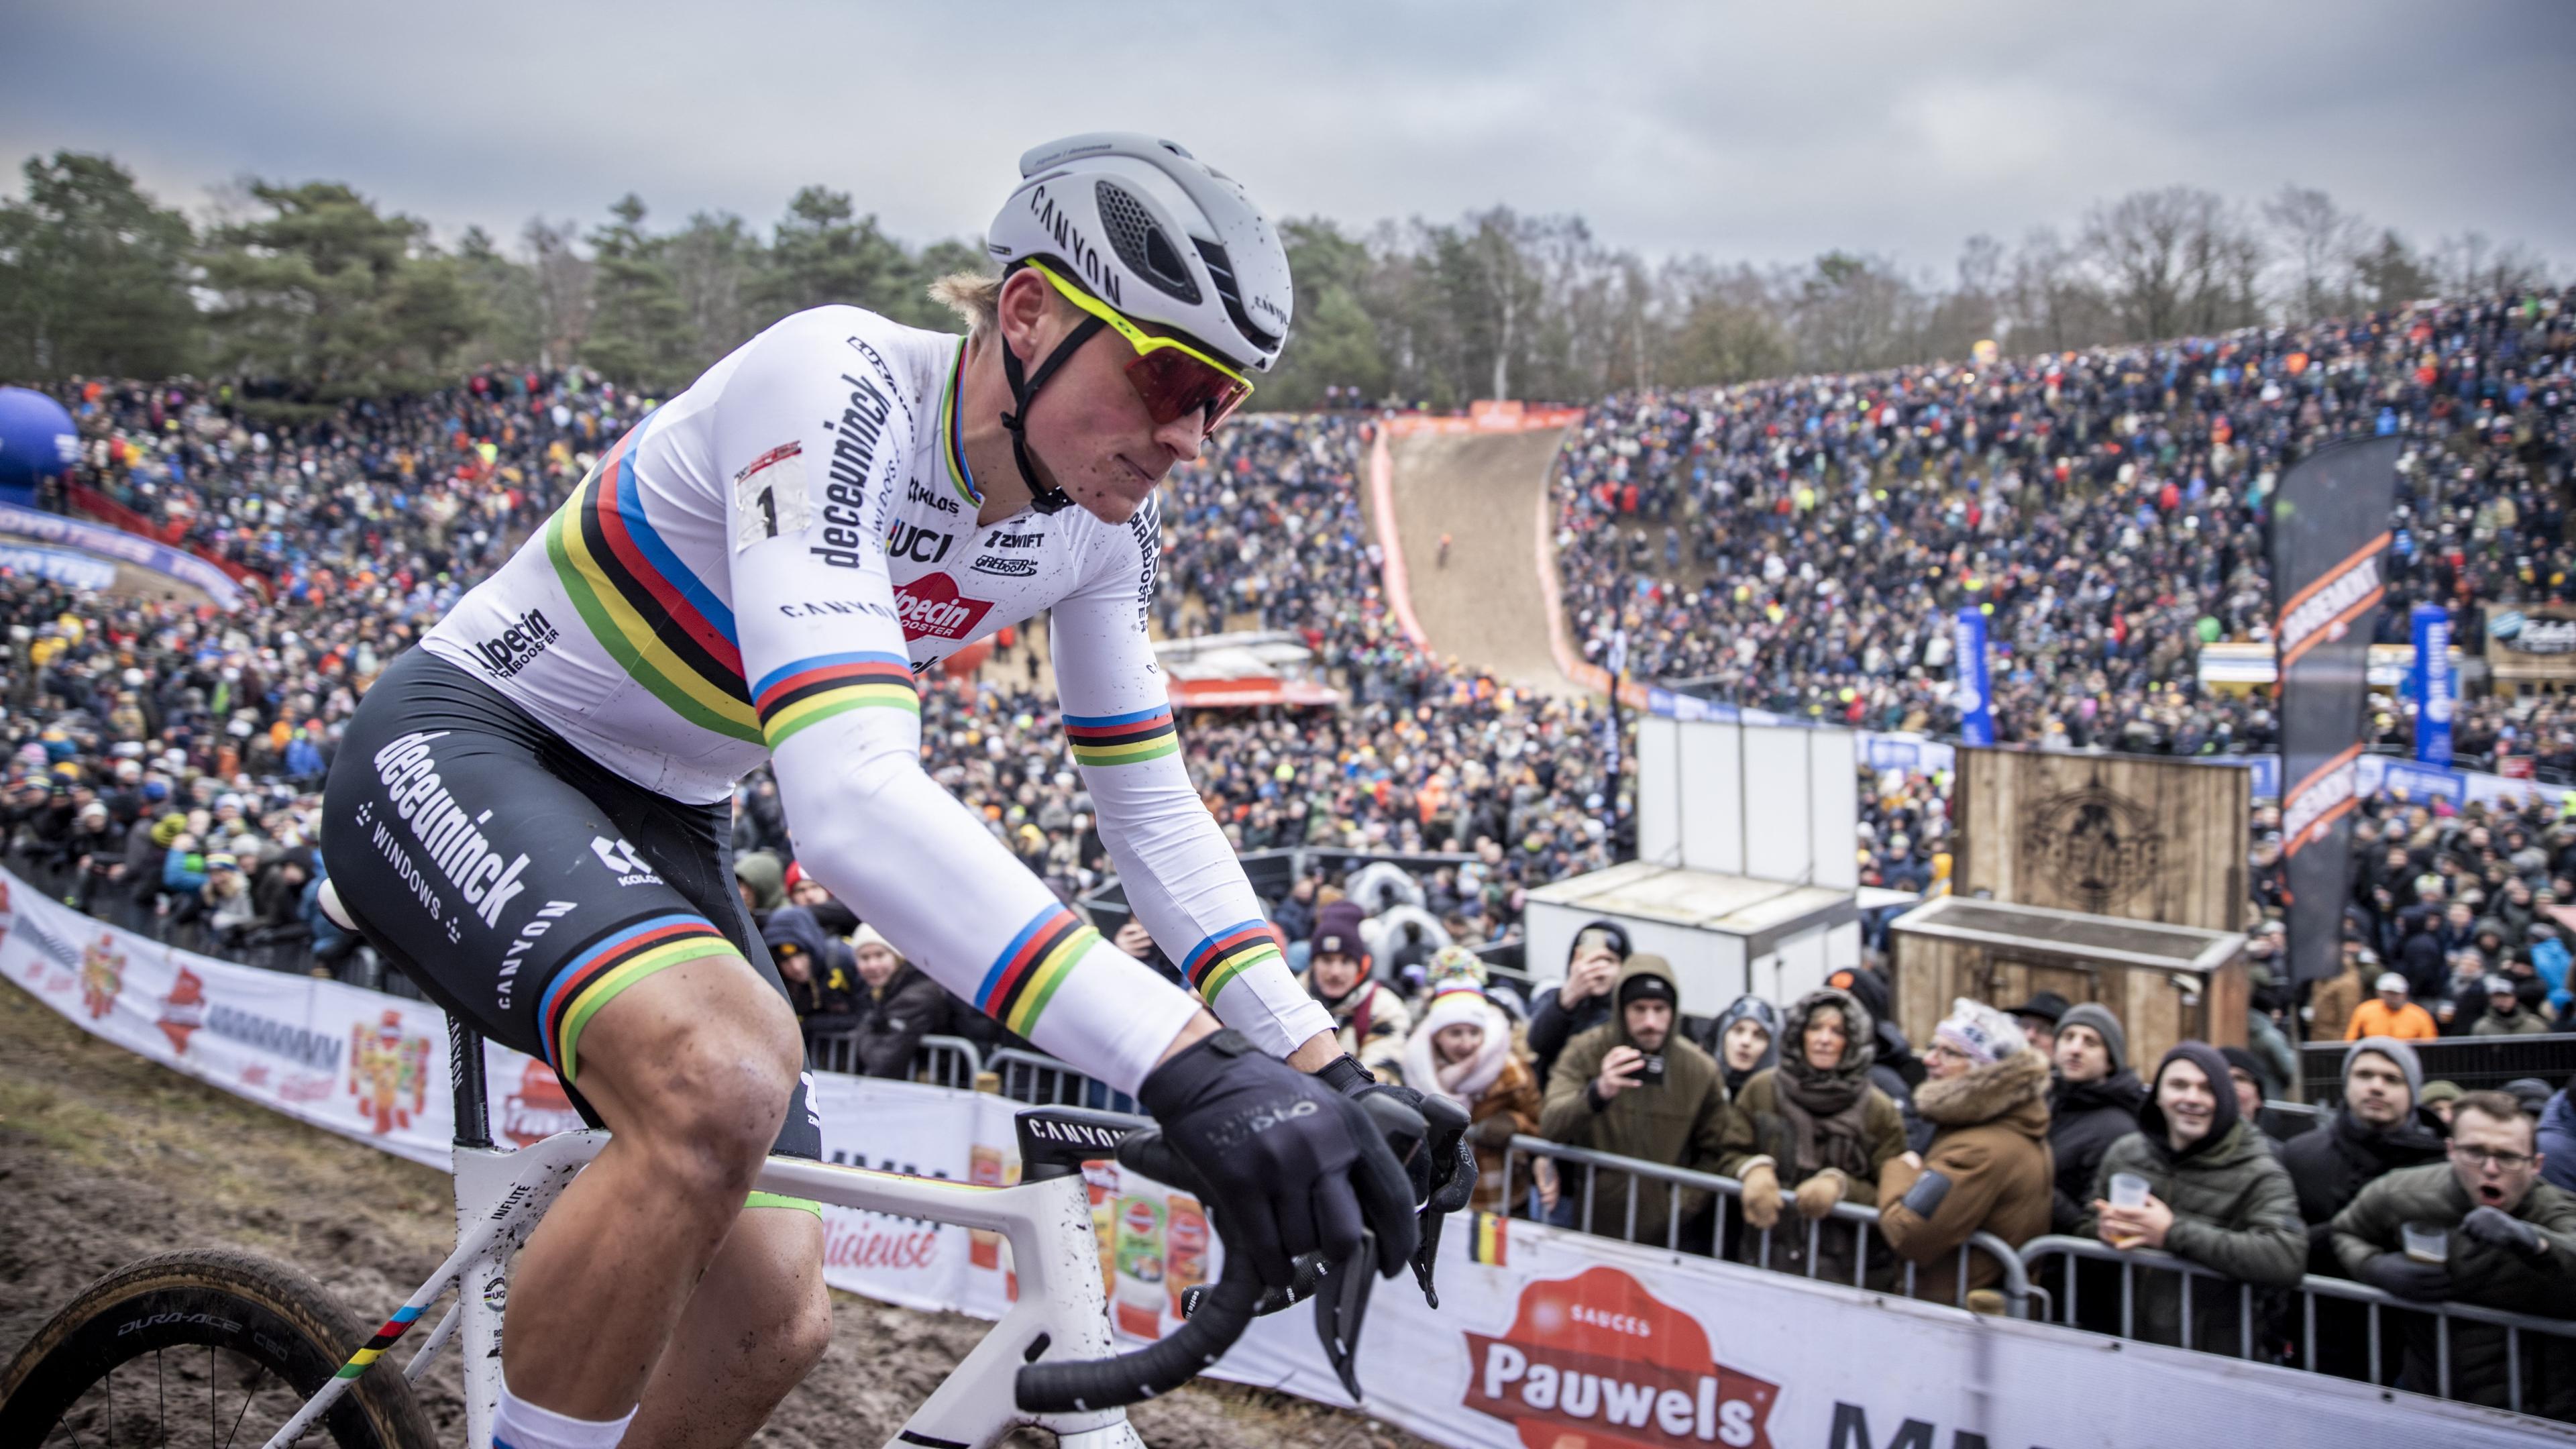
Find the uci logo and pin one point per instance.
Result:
(919, 544)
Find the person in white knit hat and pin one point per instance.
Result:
(1988, 1168)
(1463, 1050)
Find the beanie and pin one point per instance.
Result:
(2399, 1055)
(1647, 982)
(1337, 930)
(1979, 1032)
(1458, 1005)
(2098, 1017)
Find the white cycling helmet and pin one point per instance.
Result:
(1156, 233)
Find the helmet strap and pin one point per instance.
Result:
(1045, 498)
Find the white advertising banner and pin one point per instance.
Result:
(1545, 1339)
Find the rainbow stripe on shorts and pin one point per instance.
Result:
(626, 955)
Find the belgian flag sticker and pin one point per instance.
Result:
(1488, 1247)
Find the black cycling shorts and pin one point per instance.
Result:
(521, 884)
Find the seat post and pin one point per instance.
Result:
(465, 1074)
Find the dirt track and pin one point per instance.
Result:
(106, 1157)
(1482, 489)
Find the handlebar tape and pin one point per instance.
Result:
(1081, 1385)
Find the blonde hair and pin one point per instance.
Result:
(973, 296)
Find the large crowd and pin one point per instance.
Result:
(1800, 545)
(1791, 545)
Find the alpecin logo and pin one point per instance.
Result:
(1597, 1360)
(931, 607)
(518, 645)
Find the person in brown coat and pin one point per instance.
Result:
(1988, 1168)
(1463, 1051)
(2333, 1001)
(1812, 1131)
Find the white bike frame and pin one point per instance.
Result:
(1062, 1312)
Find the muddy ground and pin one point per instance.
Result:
(106, 1157)
(1482, 489)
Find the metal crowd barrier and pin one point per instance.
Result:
(2477, 1063)
(948, 1061)
(2015, 1287)
(2311, 1288)
(1042, 1081)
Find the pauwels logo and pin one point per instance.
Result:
(519, 645)
(931, 607)
(449, 837)
(1598, 1360)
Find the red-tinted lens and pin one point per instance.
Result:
(1174, 384)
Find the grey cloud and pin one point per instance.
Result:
(1762, 131)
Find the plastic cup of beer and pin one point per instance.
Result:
(2128, 1190)
(2425, 1242)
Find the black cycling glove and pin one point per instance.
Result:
(1290, 1164)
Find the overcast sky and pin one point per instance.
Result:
(1766, 131)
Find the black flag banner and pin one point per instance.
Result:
(2329, 526)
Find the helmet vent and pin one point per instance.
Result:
(1141, 244)
(1221, 271)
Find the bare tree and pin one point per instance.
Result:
(563, 288)
(2471, 265)
(2176, 260)
(2320, 241)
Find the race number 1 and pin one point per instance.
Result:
(769, 497)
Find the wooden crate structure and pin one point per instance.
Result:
(2165, 983)
(2106, 835)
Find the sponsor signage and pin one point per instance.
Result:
(931, 608)
(2329, 527)
(1558, 1343)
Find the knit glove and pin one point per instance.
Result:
(1761, 1196)
(2497, 1228)
(1818, 1194)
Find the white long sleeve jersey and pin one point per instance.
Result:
(759, 570)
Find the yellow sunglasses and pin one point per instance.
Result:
(1171, 377)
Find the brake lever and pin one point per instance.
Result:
(1340, 1310)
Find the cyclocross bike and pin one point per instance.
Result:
(248, 1346)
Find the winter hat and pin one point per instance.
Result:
(1458, 1005)
(2434, 1091)
(1979, 1032)
(2098, 1017)
(760, 870)
(1337, 930)
(794, 926)
(2389, 981)
(169, 828)
(2398, 1054)
(1647, 982)
(2241, 1060)
(1455, 965)
(1749, 1007)
(867, 935)
(2048, 1006)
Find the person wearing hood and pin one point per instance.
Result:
(1370, 1017)
(821, 980)
(1463, 1051)
(2557, 1138)
(1988, 1170)
(1635, 1086)
(762, 881)
(2509, 1243)
(1744, 1038)
(1581, 1001)
(1897, 1070)
(2379, 1128)
(1815, 1129)
(2215, 1196)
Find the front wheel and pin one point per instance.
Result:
(199, 1347)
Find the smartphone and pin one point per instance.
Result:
(1594, 940)
(1650, 1070)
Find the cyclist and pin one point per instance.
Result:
(529, 812)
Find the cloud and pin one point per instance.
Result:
(1766, 132)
